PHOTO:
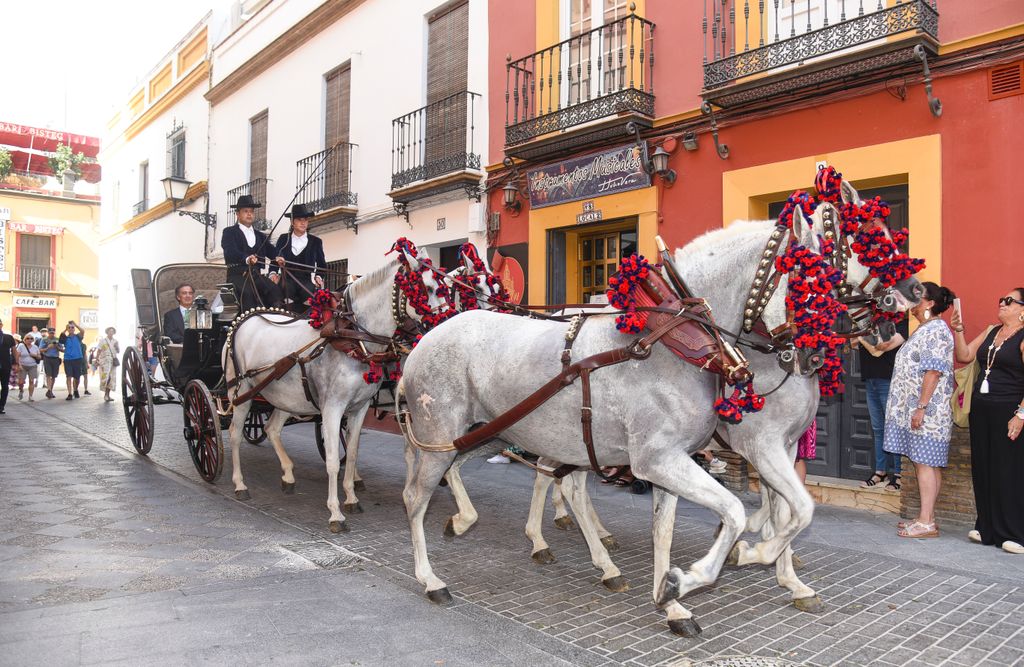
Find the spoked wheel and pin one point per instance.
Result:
(254, 430)
(318, 435)
(202, 430)
(137, 398)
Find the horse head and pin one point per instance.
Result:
(421, 292)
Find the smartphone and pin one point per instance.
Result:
(956, 307)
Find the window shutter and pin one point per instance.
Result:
(448, 53)
(258, 146)
(339, 93)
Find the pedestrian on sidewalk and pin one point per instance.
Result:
(806, 450)
(74, 357)
(51, 348)
(996, 420)
(8, 363)
(876, 369)
(29, 358)
(107, 352)
(918, 416)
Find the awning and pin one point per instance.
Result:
(38, 138)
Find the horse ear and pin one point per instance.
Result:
(414, 263)
(803, 230)
(468, 263)
(849, 193)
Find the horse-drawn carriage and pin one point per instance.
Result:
(193, 376)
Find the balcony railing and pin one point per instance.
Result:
(140, 207)
(743, 38)
(257, 188)
(435, 140)
(35, 277)
(601, 73)
(325, 178)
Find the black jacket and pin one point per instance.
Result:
(311, 255)
(7, 345)
(236, 249)
(174, 325)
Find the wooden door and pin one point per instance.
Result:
(599, 255)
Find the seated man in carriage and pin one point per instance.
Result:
(175, 318)
(245, 252)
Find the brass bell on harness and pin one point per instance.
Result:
(749, 312)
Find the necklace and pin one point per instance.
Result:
(990, 356)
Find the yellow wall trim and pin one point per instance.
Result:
(180, 89)
(192, 53)
(917, 162)
(642, 204)
(997, 35)
(160, 83)
(137, 102)
(163, 208)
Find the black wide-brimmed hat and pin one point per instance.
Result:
(299, 211)
(246, 201)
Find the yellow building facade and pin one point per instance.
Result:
(49, 267)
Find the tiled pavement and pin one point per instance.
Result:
(888, 601)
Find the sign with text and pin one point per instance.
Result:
(89, 318)
(616, 170)
(29, 228)
(590, 214)
(35, 302)
(3, 246)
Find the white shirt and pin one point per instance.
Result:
(250, 235)
(299, 243)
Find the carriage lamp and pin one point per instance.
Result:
(510, 196)
(659, 161)
(200, 316)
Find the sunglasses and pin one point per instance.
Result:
(1007, 300)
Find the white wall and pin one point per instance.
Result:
(385, 41)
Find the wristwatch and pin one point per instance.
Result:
(922, 407)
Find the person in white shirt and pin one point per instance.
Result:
(29, 357)
(300, 254)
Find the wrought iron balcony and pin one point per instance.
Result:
(605, 73)
(140, 207)
(761, 49)
(257, 189)
(325, 178)
(435, 140)
(35, 277)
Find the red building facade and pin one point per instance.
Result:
(784, 88)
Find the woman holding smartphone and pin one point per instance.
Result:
(996, 420)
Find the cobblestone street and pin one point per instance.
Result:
(109, 557)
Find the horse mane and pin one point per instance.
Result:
(369, 281)
(723, 237)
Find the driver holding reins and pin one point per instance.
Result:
(245, 252)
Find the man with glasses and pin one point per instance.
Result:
(7, 361)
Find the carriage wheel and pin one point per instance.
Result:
(318, 435)
(254, 429)
(137, 398)
(202, 430)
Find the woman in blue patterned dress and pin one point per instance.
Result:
(918, 417)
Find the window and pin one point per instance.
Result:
(447, 74)
(34, 262)
(258, 146)
(143, 202)
(176, 152)
(579, 18)
(336, 275)
(336, 128)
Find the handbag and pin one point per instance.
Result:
(965, 378)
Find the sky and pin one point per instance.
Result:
(69, 65)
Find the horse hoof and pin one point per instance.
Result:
(798, 564)
(734, 556)
(440, 596)
(610, 543)
(684, 627)
(543, 557)
(564, 522)
(288, 487)
(352, 508)
(359, 485)
(670, 588)
(338, 526)
(616, 584)
(242, 495)
(812, 605)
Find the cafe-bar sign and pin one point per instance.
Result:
(616, 170)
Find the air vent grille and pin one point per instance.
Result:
(1006, 80)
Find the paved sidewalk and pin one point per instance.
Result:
(888, 601)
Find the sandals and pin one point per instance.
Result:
(874, 480)
(894, 484)
(918, 530)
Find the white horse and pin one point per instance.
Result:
(477, 350)
(335, 380)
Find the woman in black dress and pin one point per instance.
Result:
(302, 254)
(996, 419)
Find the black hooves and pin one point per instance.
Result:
(564, 522)
(242, 495)
(610, 543)
(543, 557)
(440, 596)
(288, 487)
(684, 627)
(338, 527)
(812, 605)
(616, 584)
(352, 508)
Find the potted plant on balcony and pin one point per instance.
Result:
(5, 163)
(64, 165)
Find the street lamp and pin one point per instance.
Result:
(175, 189)
(510, 197)
(660, 163)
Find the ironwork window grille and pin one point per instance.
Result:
(35, 262)
(176, 152)
(257, 188)
(324, 178)
(435, 140)
(336, 275)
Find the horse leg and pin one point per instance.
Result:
(355, 426)
(575, 485)
(682, 477)
(466, 517)
(541, 553)
(331, 426)
(235, 432)
(429, 467)
(562, 519)
(273, 429)
(803, 596)
(776, 470)
(680, 620)
(757, 520)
